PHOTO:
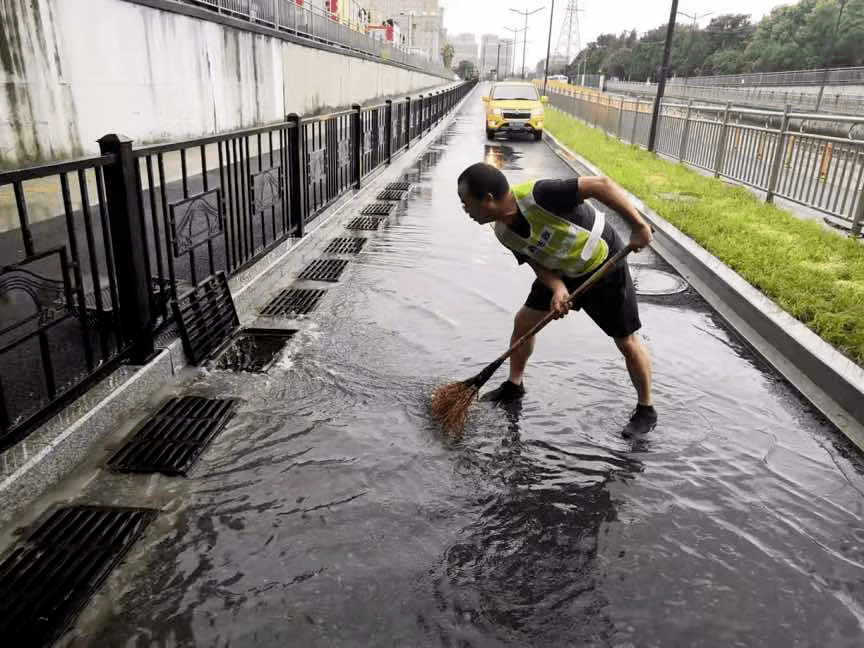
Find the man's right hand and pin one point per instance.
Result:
(560, 304)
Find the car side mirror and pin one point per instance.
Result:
(544, 99)
(485, 99)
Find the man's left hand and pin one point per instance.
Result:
(641, 236)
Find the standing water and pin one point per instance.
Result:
(332, 512)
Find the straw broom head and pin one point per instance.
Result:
(450, 405)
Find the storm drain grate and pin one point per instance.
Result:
(398, 186)
(345, 246)
(206, 316)
(324, 270)
(254, 350)
(377, 209)
(174, 438)
(51, 575)
(365, 223)
(391, 194)
(293, 301)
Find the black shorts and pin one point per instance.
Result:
(611, 302)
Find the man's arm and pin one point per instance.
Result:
(611, 195)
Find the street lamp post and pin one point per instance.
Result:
(513, 47)
(525, 13)
(548, 46)
(695, 16)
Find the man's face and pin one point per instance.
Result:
(480, 210)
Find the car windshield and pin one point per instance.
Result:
(528, 92)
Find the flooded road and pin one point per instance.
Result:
(331, 512)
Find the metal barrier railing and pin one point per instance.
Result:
(767, 150)
(848, 102)
(90, 283)
(314, 23)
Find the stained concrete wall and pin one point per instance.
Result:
(74, 70)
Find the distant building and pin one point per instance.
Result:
(465, 49)
(420, 23)
(496, 57)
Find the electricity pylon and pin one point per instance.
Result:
(569, 40)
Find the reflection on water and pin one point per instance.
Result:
(502, 156)
(525, 570)
(331, 512)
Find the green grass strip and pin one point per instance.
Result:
(815, 275)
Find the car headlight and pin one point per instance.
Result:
(536, 112)
(496, 112)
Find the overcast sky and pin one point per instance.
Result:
(595, 17)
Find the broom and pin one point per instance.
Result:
(450, 402)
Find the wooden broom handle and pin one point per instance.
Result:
(601, 272)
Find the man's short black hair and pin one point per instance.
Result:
(481, 179)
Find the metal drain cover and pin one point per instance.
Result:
(398, 186)
(50, 576)
(377, 209)
(345, 246)
(254, 350)
(206, 317)
(324, 270)
(365, 223)
(175, 437)
(649, 281)
(391, 194)
(293, 301)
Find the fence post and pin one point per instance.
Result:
(358, 142)
(128, 243)
(778, 155)
(420, 123)
(296, 159)
(685, 132)
(407, 122)
(721, 144)
(620, 114)
(858, 219)
(635, 118)
(388, 124)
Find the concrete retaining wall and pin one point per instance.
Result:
(74, 70)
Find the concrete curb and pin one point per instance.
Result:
(56, 448)
(829, 380)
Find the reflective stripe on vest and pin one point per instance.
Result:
(555, 242)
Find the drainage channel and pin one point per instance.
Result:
(50, 575)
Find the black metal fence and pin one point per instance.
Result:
(98, 248)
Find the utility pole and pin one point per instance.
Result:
(525, 13)
(548, 46)
(661, 82)
(497, 60)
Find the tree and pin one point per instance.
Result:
(466, 70)
(447, 53)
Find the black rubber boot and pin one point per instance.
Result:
(642, 420)
(506, 393)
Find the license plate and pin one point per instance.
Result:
(516, 124)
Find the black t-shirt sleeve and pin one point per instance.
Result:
(558, 196)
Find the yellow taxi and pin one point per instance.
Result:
(514, 107)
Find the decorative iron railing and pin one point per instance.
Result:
(98, 248)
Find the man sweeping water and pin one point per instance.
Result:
(548, 224)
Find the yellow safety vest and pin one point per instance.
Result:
(555, 242)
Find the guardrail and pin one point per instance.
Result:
(823, 76)
(758, 148)
(320, 26)
(92, 285)
(830, 102)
